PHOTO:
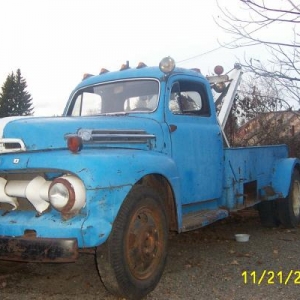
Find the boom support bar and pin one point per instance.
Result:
(235, 76)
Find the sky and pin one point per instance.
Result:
(54, 42)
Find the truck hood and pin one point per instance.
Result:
(49, 133)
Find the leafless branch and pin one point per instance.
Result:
(283, 64)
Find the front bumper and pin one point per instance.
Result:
(33, 249)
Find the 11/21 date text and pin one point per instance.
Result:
(271, 277)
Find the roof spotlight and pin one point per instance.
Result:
(219, 87)
(167, 65)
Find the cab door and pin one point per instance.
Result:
(196, 139)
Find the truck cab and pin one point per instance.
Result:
(183, 106)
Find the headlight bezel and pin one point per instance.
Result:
(71, 195)
(76, 195)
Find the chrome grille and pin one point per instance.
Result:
(11, 145)
(115, 136)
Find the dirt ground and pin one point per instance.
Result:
(202, 264)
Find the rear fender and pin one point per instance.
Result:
(282, 174)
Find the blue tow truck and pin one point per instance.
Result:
(137, 153)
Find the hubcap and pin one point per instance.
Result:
(144, 243)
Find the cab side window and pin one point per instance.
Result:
(189, 97)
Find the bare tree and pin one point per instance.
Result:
(250, 28)
(264, 116)
(258, 96)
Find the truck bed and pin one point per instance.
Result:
(248, 175)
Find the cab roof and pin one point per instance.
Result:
(144, 72)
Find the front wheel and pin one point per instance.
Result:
(132, 260)
(289, 207)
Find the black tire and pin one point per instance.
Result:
(267, 211)
(289, 207)
(132, 260)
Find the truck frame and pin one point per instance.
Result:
(137, 153)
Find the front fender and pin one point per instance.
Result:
(109, 174)
(120, 170)
(282, 174)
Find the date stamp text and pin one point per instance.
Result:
(271, 277)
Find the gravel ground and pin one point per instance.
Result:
(203, 264)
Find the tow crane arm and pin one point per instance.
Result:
(226, 85)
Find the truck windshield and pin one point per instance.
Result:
(135, 96)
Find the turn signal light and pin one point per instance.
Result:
(125, 66)
(141, 65)
(74, 143)
(103, 71)
(196, 70)
(218, 70)
(86, 76)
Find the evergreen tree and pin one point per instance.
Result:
(14, 99)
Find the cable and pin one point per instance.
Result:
(229, 43)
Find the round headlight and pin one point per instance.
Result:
(167, 64)
(67, 194)
(61, 195)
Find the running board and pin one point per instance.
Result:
(202, 218)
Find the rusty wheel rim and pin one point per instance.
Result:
(143, 242)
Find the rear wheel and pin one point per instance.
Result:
(289, 207)
(268, 213)
(132, 260)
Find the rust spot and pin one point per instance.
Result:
(269, 191)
